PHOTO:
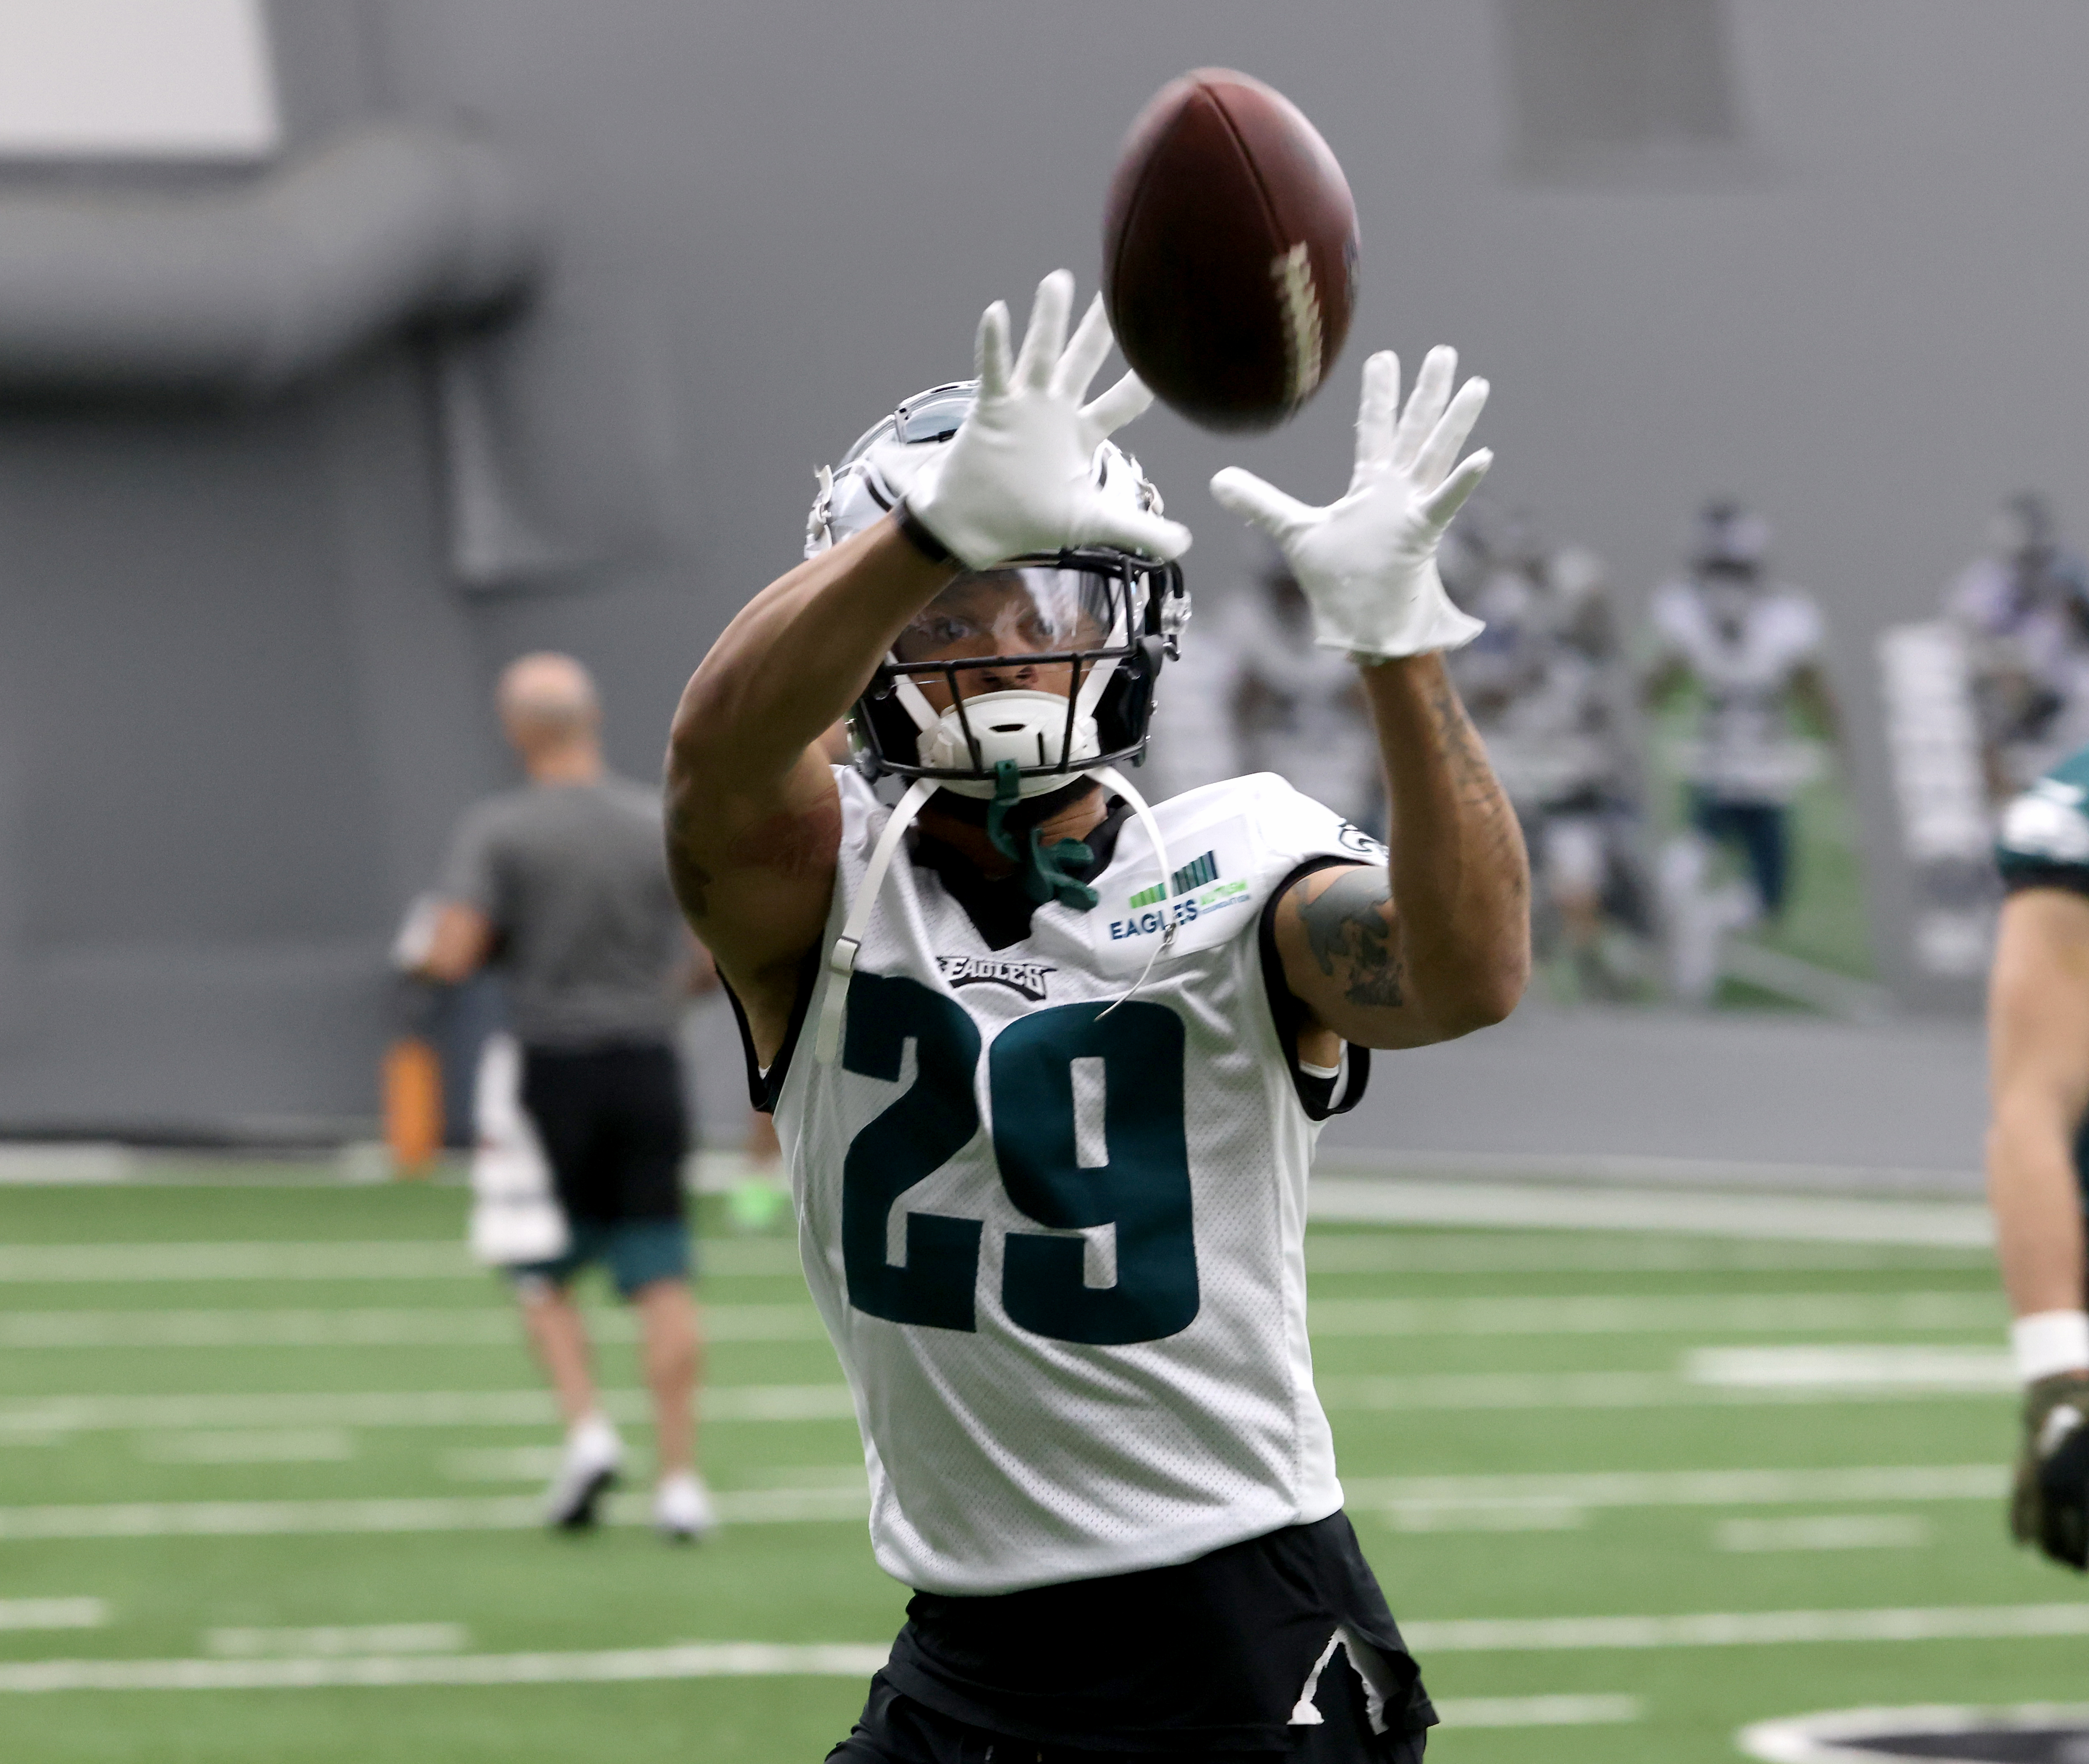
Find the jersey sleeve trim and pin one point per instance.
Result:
(763, 1087)
(1321, 1097)
(2026, 873)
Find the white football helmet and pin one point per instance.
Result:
(1099, 621)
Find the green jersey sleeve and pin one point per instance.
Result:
(2044, 838)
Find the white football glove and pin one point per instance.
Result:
(1018, 478)
(1368, 562)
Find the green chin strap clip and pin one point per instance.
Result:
(1045, 868)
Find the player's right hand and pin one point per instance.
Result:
(2050, 1506)
(1018, 479)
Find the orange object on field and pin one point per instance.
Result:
(413, 1079)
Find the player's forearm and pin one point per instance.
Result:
(1461, 878)
(794, 658)
(2032, 1189)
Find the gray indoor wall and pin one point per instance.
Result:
(242, 686)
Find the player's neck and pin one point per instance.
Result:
(1076, 819)
(578, 762)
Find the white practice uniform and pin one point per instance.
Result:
(1745, 646)
(1061, 1252)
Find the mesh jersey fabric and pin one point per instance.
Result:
(1060, 1254)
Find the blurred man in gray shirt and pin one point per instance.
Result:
(562, 885)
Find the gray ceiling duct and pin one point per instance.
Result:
(241, 293)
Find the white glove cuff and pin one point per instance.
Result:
(1426, 622)
(2049, 1342)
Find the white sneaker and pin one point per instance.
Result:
(682, 1510)
(594, 1456)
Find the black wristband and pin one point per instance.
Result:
(916, 534)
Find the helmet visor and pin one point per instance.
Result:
(1030, 627)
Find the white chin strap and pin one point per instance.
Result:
(841, 959)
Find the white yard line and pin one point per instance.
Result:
(1484, 1314)
(1702, 1313)
(1840, 1369)
(1493, 1252)
(427, 1327)
(1537, 1711)
(1747, 1629)
(1438, 1502)
(1679, 1488)
(40, 1418)
(1708, 1380)
(741, 1659)
(1833, 1531)
(321, 1518)
(1513, 1205)
(403, 1259)
(337, 1641)
(53, 1613)
(713, 1660)
(278, 1445)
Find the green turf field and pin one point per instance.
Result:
(1526, 1424)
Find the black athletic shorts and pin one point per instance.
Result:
(1216, 1657)
(613, 1128)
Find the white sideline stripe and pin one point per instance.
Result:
(1746, 1628)
(402, 1259)
(23, 1330)
(319, 1519)
(1537, 1711)
(1817, 1218)
(1681, 1488)
(42, 1416)
(53, 1613)
(713, 1660)
(335, 1641)
(1487, 1314)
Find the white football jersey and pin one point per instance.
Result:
(1061, 1253)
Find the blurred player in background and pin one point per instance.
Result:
(2038, 1053)
(1051, 1185)
(1752, 648)
(563, 886)
(2024, 611)
(1297, 709)
(1543, 683)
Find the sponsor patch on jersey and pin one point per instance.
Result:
(1198, 890)
(1027, 977)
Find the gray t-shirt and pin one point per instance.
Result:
(574, 878)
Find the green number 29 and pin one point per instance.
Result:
(1137, 1178)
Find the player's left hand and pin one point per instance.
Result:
(2050, 1506)
(1367, 563)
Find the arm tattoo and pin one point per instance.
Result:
(1347, 920)
(1473, 780)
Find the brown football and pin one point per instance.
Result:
(1229, 252)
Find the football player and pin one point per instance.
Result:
(1048, 1063)
(2037, 1021)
